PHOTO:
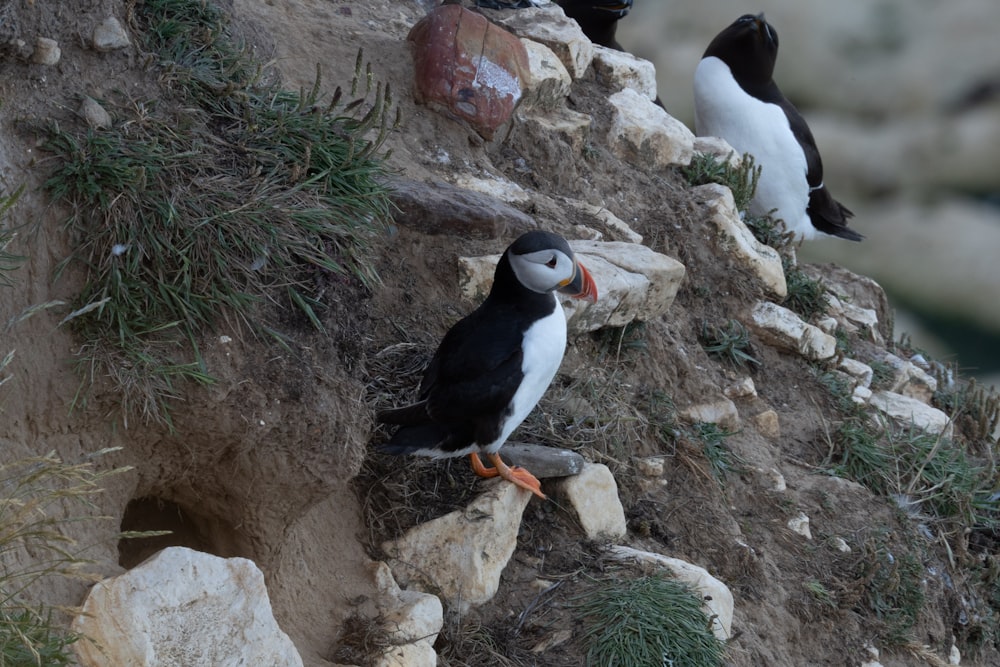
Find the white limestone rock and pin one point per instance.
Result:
(722, 412)
(109, 35)
(800, 524)
(183, 607)
(411, 619)
(716, 596)
(764, 261)
(906, 411)
(460, 555)
(571, 126)
(909, 379)
(719, 148)
(860, 372)
(548, 81)
(501, 188)
(620, 70)
(744, 388)
(619, 229)
(853, 318)
(46, 52)
(643, 132)
(95, 114)
(594, 495)
(550, 26)
(768, 424)
(633, 281)
(650, 466)
(782, 328)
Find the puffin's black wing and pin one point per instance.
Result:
(477, 367)
(466, 388)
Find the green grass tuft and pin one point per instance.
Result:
(647, 622)
(720, 459)
(742, 180)
(9, 262)
(805, 295)
(729, 342)
(894, 591)
(237, 194)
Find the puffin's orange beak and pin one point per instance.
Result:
(581, 285)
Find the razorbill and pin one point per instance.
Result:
(737, 99)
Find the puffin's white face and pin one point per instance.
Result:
(544, 270)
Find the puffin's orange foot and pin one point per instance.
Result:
(516, 475)
(480, 469)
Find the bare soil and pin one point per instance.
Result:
(275, 461)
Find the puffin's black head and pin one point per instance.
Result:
(544, 262)
(597, 18)
(750, 47)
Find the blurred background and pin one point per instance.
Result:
(903, 98)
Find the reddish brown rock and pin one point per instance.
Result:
(467, 67)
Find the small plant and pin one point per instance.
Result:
(893, 591)
(857, 453)
(616, 340)
(647, 622)
(820, 593)
(236, 194)
(729, 342)
(720, 459)
(39, 496)
(661, 413)
(805, 295)
(883, 374)
(767, 230)
(740, 179)
(9, 262)
(841, 389)
(977, 407)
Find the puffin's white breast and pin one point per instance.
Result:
(723, 109)
(543, 347)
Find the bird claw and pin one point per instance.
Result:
(515, 475)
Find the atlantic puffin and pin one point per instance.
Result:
(736, 98)
(493, 366)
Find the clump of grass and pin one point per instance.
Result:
(820, 593)
(841, 389)
(767, 230)
(932, 473)
(858, 453)
(893, 591)
(883, 374)
(720, 459)
(236, 194)
(977, 407)
(729, 342)
(651, 620)
(740, 179)
(9, 262)
(805, 295)
(34, 494)
(613, 341)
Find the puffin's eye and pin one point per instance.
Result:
(552, 262)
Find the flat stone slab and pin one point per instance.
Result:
(541, 461)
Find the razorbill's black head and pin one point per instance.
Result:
(737, 99)
(493, 366)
